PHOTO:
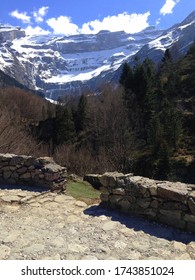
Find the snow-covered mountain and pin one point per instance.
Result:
(56, 65)
(59, 64)
(177, 39)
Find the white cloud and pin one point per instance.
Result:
(39, 15)
(22, 16)
(63, 25)
(168, 7)
(35, 31)
(122, 22)
(130, 23)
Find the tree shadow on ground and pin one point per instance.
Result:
(24, 188)
(140, 224)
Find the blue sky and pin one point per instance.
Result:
(90, 16)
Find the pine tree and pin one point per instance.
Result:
(64, 125)
(139, 84)
(163, 165)
(155, 134)
(126, 78)
(172, 125)
(150, 95)
(167, 59)
(81, 114)
(166, 67)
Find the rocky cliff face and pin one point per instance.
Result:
(9, 33)
(57, 65)
(72, 64)
(11, 61)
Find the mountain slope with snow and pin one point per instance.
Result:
(178, 39)
(56, 65)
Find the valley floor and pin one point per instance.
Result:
(42, 226)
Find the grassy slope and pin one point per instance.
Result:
(83, 191)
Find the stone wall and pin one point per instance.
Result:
(171, 203)
(31, 171)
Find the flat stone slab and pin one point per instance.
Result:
(11, 198)
(12, 236)
(62, 198)
(173, 192)
(34, 248)
(35, 204)
(80, 204)
(4, 252)
(109, 226)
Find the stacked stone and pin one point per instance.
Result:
(31, 171)
(171, 203)
(94, 180)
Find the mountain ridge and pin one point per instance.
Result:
(56, 65)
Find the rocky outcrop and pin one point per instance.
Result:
(31, 171)
(171, 203)
(9, 33)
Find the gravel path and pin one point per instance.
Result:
(45, 225)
